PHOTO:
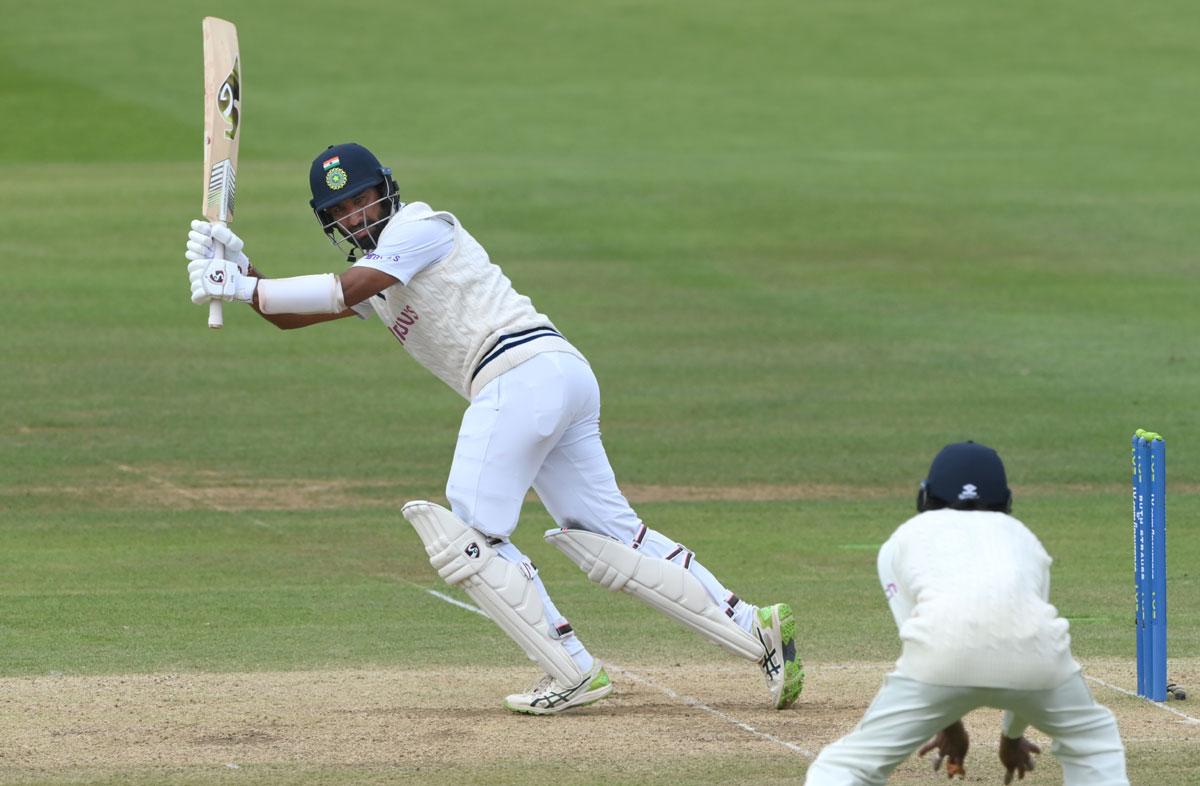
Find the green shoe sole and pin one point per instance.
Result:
(793, 667)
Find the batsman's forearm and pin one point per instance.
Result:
(291, 321)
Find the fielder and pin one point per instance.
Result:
(532, 421)
(969, 587)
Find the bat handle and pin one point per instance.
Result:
(215, 317)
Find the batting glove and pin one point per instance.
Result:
(200, 244)
(219, 279)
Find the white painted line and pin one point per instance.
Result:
(1161, 705)
(451, 600)
(688, 700)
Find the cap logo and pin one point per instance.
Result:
(330, 163)
(969, 491)
(336, 178)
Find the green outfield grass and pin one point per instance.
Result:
(803, 245)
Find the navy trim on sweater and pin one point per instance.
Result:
(503, 344)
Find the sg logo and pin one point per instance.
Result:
(229, 100)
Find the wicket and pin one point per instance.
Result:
(1150, 565)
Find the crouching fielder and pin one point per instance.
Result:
(969, 587)
(533, 421)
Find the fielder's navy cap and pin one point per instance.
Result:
(967, 476)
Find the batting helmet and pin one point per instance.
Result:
(344, 171)
(965, 476)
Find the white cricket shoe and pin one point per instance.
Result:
(775, 628)
(548, 696)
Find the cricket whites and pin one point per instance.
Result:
(222, 126)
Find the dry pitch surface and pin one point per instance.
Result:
(398, 725)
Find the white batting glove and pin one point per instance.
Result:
(200, 244)
(219, 279)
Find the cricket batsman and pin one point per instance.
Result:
(969, 587)
(532, 421)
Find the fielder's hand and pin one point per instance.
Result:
(1017, 755)
(200, 245)
(219, 279)
(952, 743)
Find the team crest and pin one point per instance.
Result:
(336, 178)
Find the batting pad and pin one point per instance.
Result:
(665, 585)
(463, 558)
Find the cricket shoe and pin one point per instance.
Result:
(549, 696)
(775, 628)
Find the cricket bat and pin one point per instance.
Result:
(222, 130)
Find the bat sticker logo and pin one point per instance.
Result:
(229, 100)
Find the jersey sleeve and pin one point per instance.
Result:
(1037, 554)
(1013, 725)
(900, 601)
(411, 248)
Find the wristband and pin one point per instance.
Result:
(319, 294)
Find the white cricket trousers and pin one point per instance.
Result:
(906, 713)
(538, 426)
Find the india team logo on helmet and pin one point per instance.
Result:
(336, 178)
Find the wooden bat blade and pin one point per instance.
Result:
(222, 117)
(222, 128)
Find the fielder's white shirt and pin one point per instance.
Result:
(970, 594)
